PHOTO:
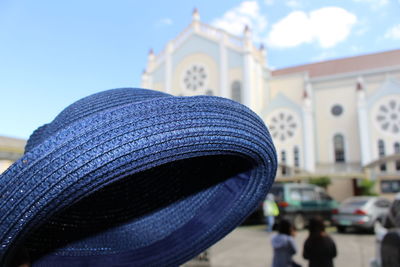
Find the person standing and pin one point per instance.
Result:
(392, 219)
(390, 236)
(270, 210)
(319, 247)
(284, 245)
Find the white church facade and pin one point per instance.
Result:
(337, 118)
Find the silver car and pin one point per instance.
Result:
(360, 212)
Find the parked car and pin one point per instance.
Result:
(360, 212)
(298, 202)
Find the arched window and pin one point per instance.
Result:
(381, 151)
(296, 157)
(283, 162)
(397, 151)
(338, 144)
(237, 91)
(381, 148)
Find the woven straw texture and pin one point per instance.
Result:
(134, 177)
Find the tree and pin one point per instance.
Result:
(323, 181)
(367, 187)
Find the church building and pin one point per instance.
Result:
(338, 118)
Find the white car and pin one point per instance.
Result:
(361, 212)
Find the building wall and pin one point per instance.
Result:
(235, 75)
(288, 143)
(11, 149)
(219, 58)
(326, 96)
(292, 86)
(259, 87)
(388, 136)
(380, 106)
(4, 164)
(285, 121)
(195, 44)
(340, 188)
(304, 97)
(376, 79)
(200, 59)
(160, 86)
(235, 59)
(159, 74)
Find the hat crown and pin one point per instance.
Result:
(88, 106)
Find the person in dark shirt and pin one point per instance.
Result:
(319, 248)
(390, 244)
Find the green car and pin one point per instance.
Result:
(299, 202)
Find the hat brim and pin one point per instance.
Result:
(114, 145)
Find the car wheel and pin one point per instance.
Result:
(341, 228)
(299, 221)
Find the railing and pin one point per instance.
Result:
(217, 34)
(235, 42)
(336, 168)
(210, 32)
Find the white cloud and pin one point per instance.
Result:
(374, 3)
(247, 13)
(164, 22)
(362, 28)
(293, 3)
(327, 26)
(393, 33)
(271, 2)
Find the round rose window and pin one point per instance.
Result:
(388, 116)
(194, 78)
(282, 125)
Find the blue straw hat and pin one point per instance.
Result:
(134, 177)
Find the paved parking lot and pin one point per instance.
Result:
(249, 246)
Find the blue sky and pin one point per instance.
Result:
(53, 53)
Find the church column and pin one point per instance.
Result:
(308, 131)
(362, 113)
(223, 67)
(259, 88)
(168, 68)
(264, 99)
(147, 81)
(247, 69)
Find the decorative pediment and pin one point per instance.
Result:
(281, 101)
(390, 87)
